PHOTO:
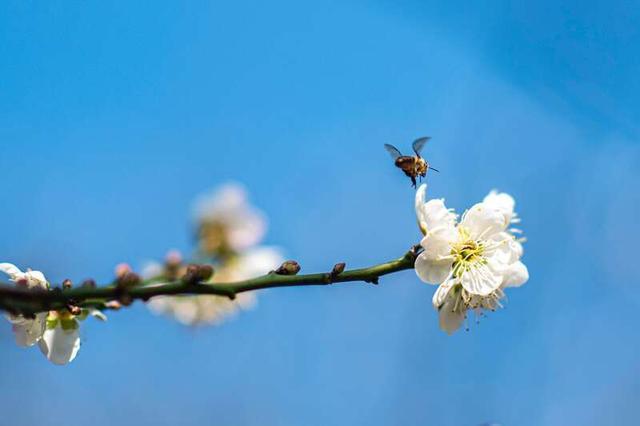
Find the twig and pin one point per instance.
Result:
(20, 300)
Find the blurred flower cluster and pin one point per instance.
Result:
(471, 260)
(57, 333)
(228, 230)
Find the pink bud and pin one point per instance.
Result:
(122, 269)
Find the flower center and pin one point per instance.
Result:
(466, 253)
(213, 237)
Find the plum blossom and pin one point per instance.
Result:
(229, 229)
(57, 333)
(61, 340)
(196, 310)
(227, 222)
(27, 331)
(472, 260)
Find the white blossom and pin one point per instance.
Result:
(211, 309)
(30, 279)
(27, 331)
(61, 340)
(56, 333)
(226, 218)
(473, 260)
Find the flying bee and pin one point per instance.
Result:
(412, 165)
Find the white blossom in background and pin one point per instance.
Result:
(211, 309)
(57, 334)
(226, 220)
(229, 229)
(472, 260)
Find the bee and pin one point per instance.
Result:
(412, 165)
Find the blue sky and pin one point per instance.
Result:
(113, 117)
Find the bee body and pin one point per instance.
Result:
(414, 166)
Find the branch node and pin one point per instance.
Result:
(372, 280)
(128, 280)
(88, 283)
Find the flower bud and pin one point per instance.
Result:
(128, 280)
(121, 269)
(205, 272)
(173, 259)
(338, 268)
(67, 284)
(192, 275)
(88, 283)
(113, 304)
(290, 267)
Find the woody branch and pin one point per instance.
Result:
(18, 300)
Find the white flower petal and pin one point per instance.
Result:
(228, 206)
(98, 314)
(60, 346)
(441, 293)
(186, 311)
(253, 263)
(502, 202)
(515, 275)
(481, 279)
(432, 215)
(10, 269)
(151, 269)
(36, 279)
(28, 331)
(420, 199)
(482, 222)
(247, 300)
(437, 245)
(432, 271)
(160, 304)
(507, 248)
(451, 316)
(32, 278)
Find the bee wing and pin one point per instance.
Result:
(392, 150)
(418, 144)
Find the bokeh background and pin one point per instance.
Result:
(115, 115)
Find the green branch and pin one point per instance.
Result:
(23, 301)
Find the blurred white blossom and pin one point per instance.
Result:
(212, 309)
(473, 260)
(226, 220)
(229, 229)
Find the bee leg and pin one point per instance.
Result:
(413, 181)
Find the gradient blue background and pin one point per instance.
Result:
(115, 115)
